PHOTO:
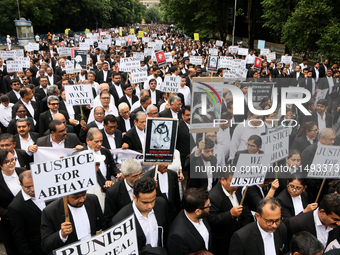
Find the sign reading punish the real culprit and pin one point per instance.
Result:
(171, 84)
(69, 66)
(126, 64)
(79, 94)
(251, 169)
(64, 51)
(64, 176)
(196, 60)
(119, 239)
(14, 66)
(139, 74)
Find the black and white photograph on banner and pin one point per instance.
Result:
(212, 63)
(80, 61)
(161, 135)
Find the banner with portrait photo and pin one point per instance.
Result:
(79, 57)
(212, 63)
(160, 143)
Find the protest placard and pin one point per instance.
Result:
(286, 59)
(79, 94)
(139, 55)
(195, 60)
(64, 51)
(264, 52)
(80, 59)
(224, 62)
(251, 169)
(230, 75)
(160, 58)
(171, 84)
(130, 41)
(154, 35)
(132, 31)
(212, 63)
(294, 95)
(63, 176)
(119, 239)
(148, 52)
(32, 47)
(168, 57)
(19, 53)
(219, 43)
(126, 64)
(257, 64)
(242, 51)
(161, 135)
(145, 40)
(261, 44)
(325, 162)
(50, 153)
(140, 34)
(241, 73)
(276, 145)
(84, 46)
(321, 95)
(260, 90)
(25, 62)
(7, 55)
(196, 36)
(118, 42)
(157, 46)
(120, 155)
(233, 49)
(102, 46)
(69, 66)
(271, 56)
(139, 74)
(213, 51)
(13, 66)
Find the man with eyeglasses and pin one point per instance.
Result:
(323, 222)
(112, 137)
(128, 97)
(266, 236)
(174, 111)
(155, 94)
(105, 102)
(150, 214)
(14, 94)
(25, 217)
(120, 194)
(124, 120)
(23, 159)
(25, 80)
(190, 232)
(152, 111)
(47, 116)
(32, 108)
(98, 122)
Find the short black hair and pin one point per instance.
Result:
(194, 198)
(323, 102)
(273, 202)
(53, 125)
(330, 204)
(6, 136)
(305, 243)
(3, 155)
(257, 140)
(110, 118)
(127, 85)
(144, 185)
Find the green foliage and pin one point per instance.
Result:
(153, 14)
(276, 13)
(307, 25)
(329, 41)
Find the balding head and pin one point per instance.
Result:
(104, 86)
(61, 117)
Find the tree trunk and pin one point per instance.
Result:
(249, 19)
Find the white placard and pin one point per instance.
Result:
(171, 84)
(230, 75)
(84, 46)
(225, 62)
(64, 176)
(148, 52)
(69, 66)
(213, 51)
(126, 64)
(19, 53)
(32, 47)
(251, 169)
(7, 54)
(271, 56)
(195, 60)
(64, 52)
(241, 73)
(151, 44)
(168, 57)
(325, 162)
(118, 42)
(121, 239)
(154, 35)
(14, 66)
(139, 55)
(157, 46)
(219, 43)
(232, 49)
(25, 62)
(321, 95)
(139, 74)
(276, 144)
(264, 52)
(145, 40)
(102, 46)
(79, 94)
(242, 51)
(107, 41)
(286, 59)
